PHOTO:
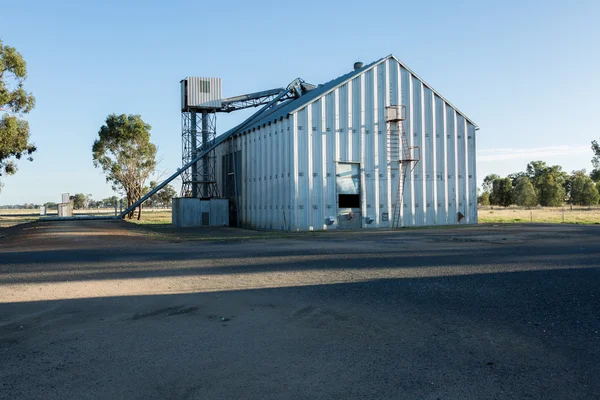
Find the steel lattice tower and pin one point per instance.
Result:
(199, 180)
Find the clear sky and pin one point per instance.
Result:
(528, 72)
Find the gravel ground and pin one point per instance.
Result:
(102, 310)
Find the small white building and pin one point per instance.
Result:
(327, 160)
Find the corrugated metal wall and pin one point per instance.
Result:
(265, 195)
(289, 166)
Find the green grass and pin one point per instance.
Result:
(577, 215)
(552, 215)
(153, 218)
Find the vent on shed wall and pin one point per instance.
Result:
(203, 86)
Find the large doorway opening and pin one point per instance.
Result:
(231, 183)
(347, 182)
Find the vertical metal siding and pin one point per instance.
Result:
(256, 182)
(267, 176)
(246, 192)
(323, 171)
(331, 155)
(244, 185)
(281, 177)
(357, 104)
(451, 164)
(354, 118)
(434, 157)
(440, 158)
(288, 185)
(318, 182)
(471, 149)
(259, 171)
(417, 137)
(429, 162)
(261, 176)
(250, 184)
(294, 150)
(301, 144)
(274, 178)
(406, 96)
(256, 153)
(253, 181)
(247, 176)
(462, 166)
(379, 136)
(367, 159)
(265, 191)
(336, 128)
(342, 128)
(268, 168)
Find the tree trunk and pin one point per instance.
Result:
(140, 213)
(129, 203)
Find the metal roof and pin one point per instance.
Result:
(283, 110)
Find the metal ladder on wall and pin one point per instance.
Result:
(407, 163)
(393, 145)
(399, 152)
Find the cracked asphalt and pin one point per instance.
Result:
(106, 310)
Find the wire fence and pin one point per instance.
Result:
(486, 214)
(567, 214)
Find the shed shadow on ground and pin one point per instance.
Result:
(132, 263)
(521, 334)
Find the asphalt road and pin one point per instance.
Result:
(101, 310)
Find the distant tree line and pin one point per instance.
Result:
(82, 201)
(545, 185)
(26, 206)
(161, 199)
(541, 184)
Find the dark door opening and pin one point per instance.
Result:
(349, 200)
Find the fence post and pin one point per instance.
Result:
(531, 215)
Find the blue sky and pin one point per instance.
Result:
(525, 71)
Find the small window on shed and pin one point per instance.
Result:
(349, 201)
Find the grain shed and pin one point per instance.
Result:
(332, 157)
